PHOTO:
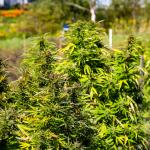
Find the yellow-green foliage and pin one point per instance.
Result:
(83, 96)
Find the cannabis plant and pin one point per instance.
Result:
(110, 86)
(50, 113)
(7, 113)
(83, 96)
(118, 118)
(3, 79)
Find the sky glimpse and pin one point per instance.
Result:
(104, 2)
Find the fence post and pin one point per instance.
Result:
(141, 71)
(110, 38)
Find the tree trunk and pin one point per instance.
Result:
(93, 10)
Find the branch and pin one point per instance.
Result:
(77, 6)
(109, 49)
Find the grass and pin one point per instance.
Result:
(11, 50)
(11, 44)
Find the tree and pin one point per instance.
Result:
(55, 15)
(127, 9)
(91, 8)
